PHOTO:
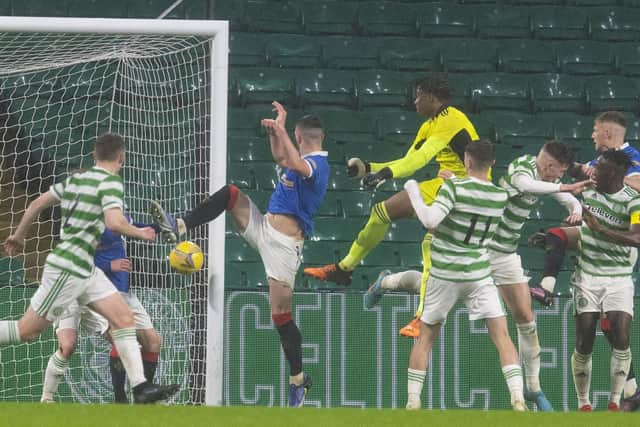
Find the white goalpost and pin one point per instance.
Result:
(163, 86)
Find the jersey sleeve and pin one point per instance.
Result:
(111, 193)
(58, 189)
(446, 197)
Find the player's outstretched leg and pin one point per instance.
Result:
(412, 329)
(118, 376)
(375, 291)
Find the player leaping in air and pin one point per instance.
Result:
(444, 136)
(278, 235)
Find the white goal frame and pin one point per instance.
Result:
(219, 30)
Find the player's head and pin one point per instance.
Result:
(109, 148)
(309, 131)
(431, 93)
(553, 160)
(608, 130)
(610, 170)
(479, 155)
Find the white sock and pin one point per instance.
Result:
(581, 369)
(127, 345)
(415, 380)
(513, 377)
(620, 362)
(9, 333)
(53, 375)
(404, 281)
(530, 351)
(548, 283)
(630, 387)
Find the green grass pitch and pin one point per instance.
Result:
(71, 415)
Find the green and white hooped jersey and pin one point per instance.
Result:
(83, 199)
(518, 207)
(599, 256)
(473, 209)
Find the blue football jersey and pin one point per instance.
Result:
(301, 196)
(633, 154)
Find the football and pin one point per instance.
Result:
(186, 257)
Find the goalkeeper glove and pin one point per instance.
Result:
(356, 168)
(375, 180)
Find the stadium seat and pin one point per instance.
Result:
(246, 49)
(574, 130)
(232, 11)
(506, 153)
(339, 181)
(265, 174)
(330, 206)
(382, 88)
(399, 127)
(348, 52)
(332, 87)
(245, 275)
(343, 230)
(11, 272)
(319, 252)
(248, 149)
(628, 58)
(445, 20)
(612, 93)
(89, 9)
(526, 56)
(330, 17)
(584, 57)
(614, 24)
(460, 85)
(591, 3)
(356, 203)
(151, 9)
(503, 22)
(273, 17)
(517, 129)
(468, 55)
(499, 91)
(407, 230)
(386, 18)
(263, 85)
(348, 126)
(238, 250)
(411, 252)
(384, 255)
(536, 2)
(243, 123)
(559, 23)
(484, 127)
(633, 131)
(293, 50)
(406, 53)
(40, 8)
(557, 92)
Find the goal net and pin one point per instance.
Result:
(58, 92)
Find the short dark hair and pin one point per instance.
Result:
(618, 158)
(616, 117)
(559, 151)
(309, 121)
(436, 85)
(483, 152)
(109, 146)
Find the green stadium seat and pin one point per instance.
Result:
(241, 177)
(506, 153)
(631, 3)
(559, 23)
(382, 88)
(585, 57)
(399, 127)
(445, 20)
(265, 174)
(243, 123)
(248, 149)
(409, 54)
(384, 255)
(263, 85)
(484, 128)
(633, 131)
(348, 126)
(238, 250)
(11, 272)
(247, 49)
(356, 203)
(628, 58)
(328, 87)
(503, 22)
(536, 2)
(273, 17)
(342, 230)
(93, 9)
(408, 230)
(468, 55)
(232, 11)
(590, 3)
(260, 198)
(608, 93)
(574, 130)
(330, 17)
(331, 205)
(410, 255)
(387, 18)
(460, 85)
(557, 92)
(526, 56)
(195, 9)
(245, 275)
(339, 181)
(500, 91)
(151, 9)
(39, 8)
(614, 24)
(293, 50)
(346, 52)
(518, 129)
(319, 252)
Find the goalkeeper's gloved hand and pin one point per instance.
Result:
(356, 168)
(374, 180)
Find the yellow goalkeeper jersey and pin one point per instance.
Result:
(444, 137)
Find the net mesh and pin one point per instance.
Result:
(58, 92)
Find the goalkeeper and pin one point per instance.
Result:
(111, 258)
(444, 135)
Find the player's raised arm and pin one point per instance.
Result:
(429, 216)
(15, 242)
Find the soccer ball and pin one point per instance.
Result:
(186, 257)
